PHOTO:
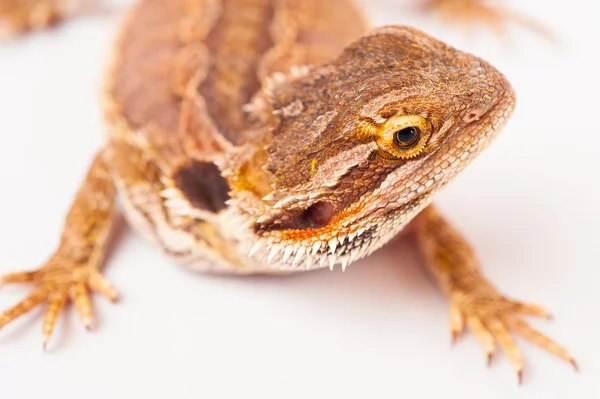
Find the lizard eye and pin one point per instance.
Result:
(407, 138)
(404, 136)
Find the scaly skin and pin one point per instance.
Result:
(276, 136)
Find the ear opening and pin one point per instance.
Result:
(203, 185)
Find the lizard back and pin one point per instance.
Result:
(191, 74)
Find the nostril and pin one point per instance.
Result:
(471, 117)
(319, 214)
(476, 114)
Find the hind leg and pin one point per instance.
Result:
(467, 13)
(21, 16)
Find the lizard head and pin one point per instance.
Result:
(352, 150)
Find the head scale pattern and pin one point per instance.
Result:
(328, 184)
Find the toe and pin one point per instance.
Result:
(55, 305)
(37, 297)
(101, 285)
(508, 345)
(530, 309)
(484, 337)
(457, 321)
(539, 339)
(22, 277)
(80, 297)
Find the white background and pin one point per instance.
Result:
(529, 205)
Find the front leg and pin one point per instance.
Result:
(74, 269)
(489, 315)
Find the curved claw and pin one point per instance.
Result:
(55, 285)
(537, 338)
(457, 322)
(56, 304)
(493, 318)
(485, 338)
(508, 345)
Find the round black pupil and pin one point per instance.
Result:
(407, 136)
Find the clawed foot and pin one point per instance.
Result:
(469, 12)
(492, 318)
(55, 284)
(18, 16)
(22, 16)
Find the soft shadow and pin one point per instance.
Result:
(391, 274)
(119, 229)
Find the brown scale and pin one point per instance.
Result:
(236, 46)
(160, 128)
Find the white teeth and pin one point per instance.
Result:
(169, 193)
(255, 248)
(322, 261)
(310, 254)
(344, 262)
(263, 218)
(309, 262)
(354, 255)
(352, 236)
(332, 245)
(289, 250)
(274, 252)
(315, 248)
(360, 231)
(248, 224)
(270, 197)
(283, 202)
(299, 255)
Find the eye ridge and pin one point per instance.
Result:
(407, 137)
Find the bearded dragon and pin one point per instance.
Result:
(263, 136)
